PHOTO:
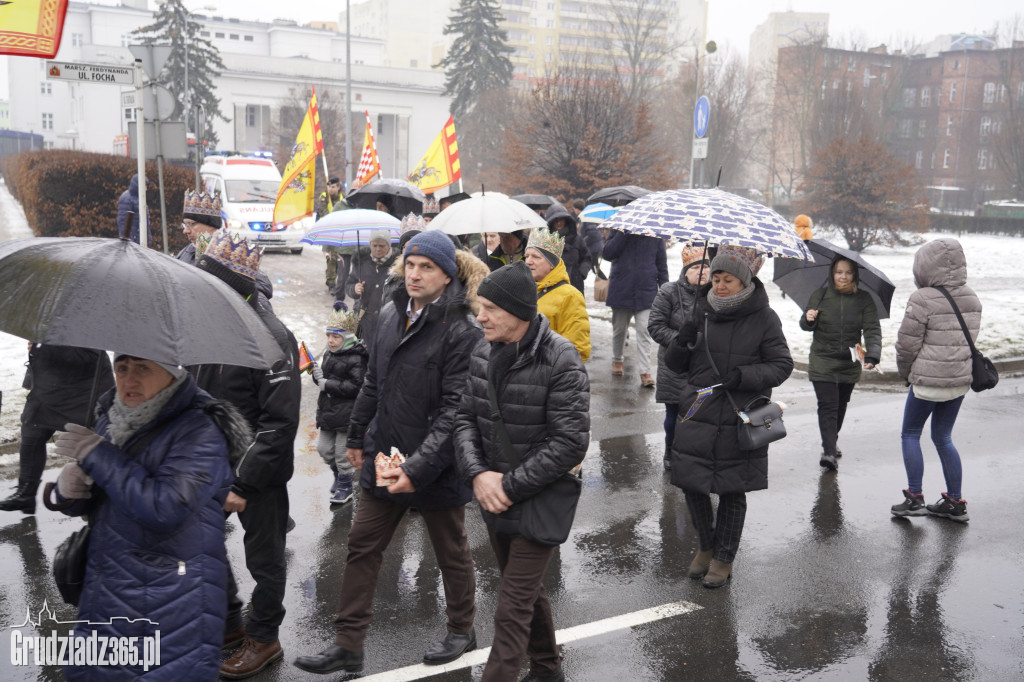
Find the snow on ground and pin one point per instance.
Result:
(993, 271)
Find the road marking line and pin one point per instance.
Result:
(573, 634)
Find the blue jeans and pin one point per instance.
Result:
(915, 414)
(671, 419)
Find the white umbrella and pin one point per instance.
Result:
(491, 212)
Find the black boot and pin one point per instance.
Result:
(23, 499)
(667, 460)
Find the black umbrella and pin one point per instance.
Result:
(112, 294)
(535, 201)
(405, 197)
(800, 279)
(617, 196)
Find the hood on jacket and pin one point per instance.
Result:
(940, 263)
(556, 211)
(469, 270)
(133, 186)
(233, 425)
(557, 274)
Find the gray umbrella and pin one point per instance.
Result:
(112, 294)
(405, 197)
(618, 196)
(535, 201)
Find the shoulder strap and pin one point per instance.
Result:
(553, 286)
(714, 367)
(499, 427)
(960, 319)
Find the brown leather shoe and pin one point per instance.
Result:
(700, 564)
(646, 380)
(616, 369)
(718, 574)
(233, 638)
(250, 658)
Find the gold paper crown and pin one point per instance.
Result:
(694, 254)
(202, 203)
(413, 222)
(546, 240)
(343, 320)
(431, 206)
(235, 253)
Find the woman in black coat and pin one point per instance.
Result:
(739, 343)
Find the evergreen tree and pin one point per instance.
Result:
(173, 26)
(478, 59)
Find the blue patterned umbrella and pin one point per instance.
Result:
(713, 216)
(596, 213)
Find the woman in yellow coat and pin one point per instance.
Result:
(557, 299)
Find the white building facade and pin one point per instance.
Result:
(266, 64)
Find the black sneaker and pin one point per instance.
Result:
(829, 461)
(912, 505)
(947, 507)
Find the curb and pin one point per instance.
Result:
(1006, 368)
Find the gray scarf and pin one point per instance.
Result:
(725, 304)
(125, 421)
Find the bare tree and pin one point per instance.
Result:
(641, 43)
(1009, 136)
(331, 110)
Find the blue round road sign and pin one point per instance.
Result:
(701, 114)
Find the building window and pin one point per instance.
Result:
(949, 126)
(550, 23)
(904, 126)
(926, 96)
(47, 121)
(126, 40)
(204, 34)
(77, 39)
(233, 36)
(986, 126)
(922, 128)
(45, 88)
(867, 76)
(218, 34)
(945, 159)
(247, 39)
(990, 93)
(547, 56)
(129, 114)
(1002, 94)
(982, 159)
(533, 38)
(909, 97)
(952, 92)
(852, 64)
(1020, 92)
(918, 160)
(250, 116)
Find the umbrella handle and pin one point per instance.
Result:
(54, 506)
(696, 341)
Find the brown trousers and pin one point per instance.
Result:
(522, 620)
(374, 525)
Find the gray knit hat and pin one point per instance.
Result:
(511, 288)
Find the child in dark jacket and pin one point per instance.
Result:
(339, 376)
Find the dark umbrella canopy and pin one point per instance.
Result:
(617, 196)
(800, 279)
(112, 294)
(535, 201)
(404, 196)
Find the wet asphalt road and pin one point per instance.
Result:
(826, 586)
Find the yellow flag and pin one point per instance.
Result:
(439, 167)
(31, 28)
(295, 195)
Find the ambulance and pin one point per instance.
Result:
(248, 189)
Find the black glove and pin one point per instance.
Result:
(732, 379)
(687, 335)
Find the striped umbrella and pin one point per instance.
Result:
(352, 228)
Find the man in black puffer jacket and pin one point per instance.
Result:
(543, 393)
(414, 380)
(269, 400)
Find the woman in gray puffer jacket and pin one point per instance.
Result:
(933, 356)
(672, 307)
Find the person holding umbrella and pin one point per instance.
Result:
(366, 281)
(734, 341)
(839, 314)
(152, 476)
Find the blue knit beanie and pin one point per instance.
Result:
(436, 246)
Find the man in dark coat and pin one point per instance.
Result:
(269, 400)
(330, 200)
(129, 202)
(511, 248)
(60, 381)
(639, 267)
(740, 345)
(576, 255)
(415, 378)
(366, 281)
(543, 393)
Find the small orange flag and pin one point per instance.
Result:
(306, 361)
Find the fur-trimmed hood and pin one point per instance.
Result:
(470, 270)
(233, 425)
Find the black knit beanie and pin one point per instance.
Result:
(240, 283)
(212, 221)
(511, 288)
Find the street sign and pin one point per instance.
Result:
(129, 99)
(700, 148)
(172, 140)
(153, 58)
(90, 73)
(701, 116)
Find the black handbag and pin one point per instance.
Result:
(546, 518)
(759, 425)
(983, 373)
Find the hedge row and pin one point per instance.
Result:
(74, 194)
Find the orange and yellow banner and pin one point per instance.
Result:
(439, 167)
(31, 28)
(369, 163)
(295, 195)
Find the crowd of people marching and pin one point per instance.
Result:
(456, 372)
